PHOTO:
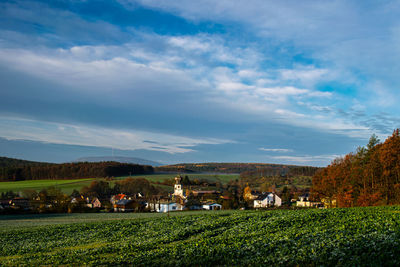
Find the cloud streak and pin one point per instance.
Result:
(283, 150)
(67, 134)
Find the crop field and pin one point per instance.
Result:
(350, 237)
(67, 186)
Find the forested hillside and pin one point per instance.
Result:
(369, 176)
(71, 171)
(11, 162)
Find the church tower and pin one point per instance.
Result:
(178, 191)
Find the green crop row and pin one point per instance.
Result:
(350, 237)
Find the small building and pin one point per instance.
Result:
(114, 199)
(267, 200)
(212, 206)
(93, 202)
(304, 201)
(165, 206)
(329, 202)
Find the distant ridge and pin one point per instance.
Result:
(13, 162)
(131, 160)
(267, 169)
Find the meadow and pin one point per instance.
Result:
(348, 237)
(67, 186)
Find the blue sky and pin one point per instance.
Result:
(296, 82)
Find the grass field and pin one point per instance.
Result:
(67, 186)
(344, 237)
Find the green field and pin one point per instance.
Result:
(347, 237)
(67, 186)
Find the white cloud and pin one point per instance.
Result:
(304, 75)
(306, 159)
(138, 68)
(190, 43)
(283, 150)
(84, 135)
(289, 114)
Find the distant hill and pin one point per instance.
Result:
(75, 170)
(11, 162)
(262, 169)
(131, 160)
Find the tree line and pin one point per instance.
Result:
(369, 176)
(262, 169)
(11, 162)
(71, 171)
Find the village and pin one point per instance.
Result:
(181, 199)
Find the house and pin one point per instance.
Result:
(212, 206)
(266, 200)
(79, 201)
(304, 201)
(165, 206)
(93, 202)
(329, 202)
(114, 199)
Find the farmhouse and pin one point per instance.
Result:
(266, 200)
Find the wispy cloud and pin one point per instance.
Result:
(316, 159)
(283, 150)
(68, 134)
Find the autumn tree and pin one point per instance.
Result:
(370, 176)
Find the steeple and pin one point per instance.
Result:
(178, 191)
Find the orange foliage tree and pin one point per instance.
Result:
(370, 176)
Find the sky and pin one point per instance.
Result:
(291, 82)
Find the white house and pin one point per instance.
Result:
(304, 201)
(212, 206)
(267, 200)
(165, 207)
